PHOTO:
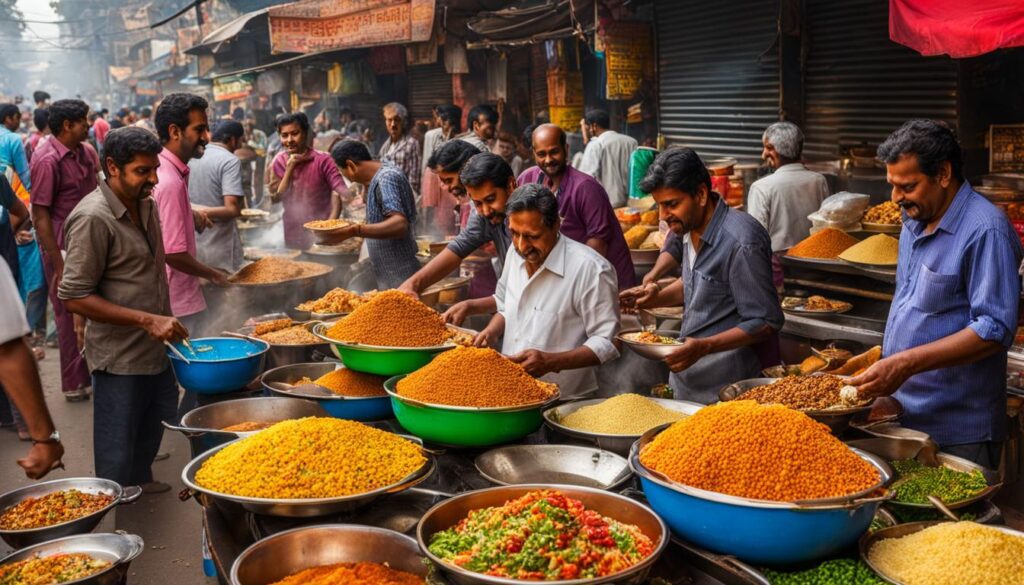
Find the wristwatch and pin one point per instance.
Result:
(54, 438)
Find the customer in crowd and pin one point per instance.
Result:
(65, 168)
(115, 277)
(505, 147)
(783, 200)
(401, 148)
(483, 124)
(304, 180)
(607, 154)
(437, 202)
(215, 188)
(145, 120)
(41, 122)
(252, 153)
(390, 213)
(41, 98)
(556, 299)
(12, 149)
(101, 127)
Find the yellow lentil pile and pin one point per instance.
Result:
(626, 414)
(311, 458)
(744, 449)
(952, 553)
(879, 249)
(473, 376)
(271, 269)
(392, 319)
(337, 300)
(352, 574)
(346, 382)
(827, 244)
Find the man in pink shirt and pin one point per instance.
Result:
(306, 181)
(183, 129)
(63, 171)
(100, 127)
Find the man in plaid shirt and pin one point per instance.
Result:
(400, 148)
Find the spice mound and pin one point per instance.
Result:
(835, 571)
(270, 270)
(247, 427)
(744, 449)
(392, 319)
(58, 568)
(543, 535)
(952, 553)
(352, 574)
(475, 377)
(626, 414)
(53, 508)
(819, 392)
(337, 300)
(916, 482)
(283, 332)
(311, 458)
(827, 244)
(327, 224)
(346, 382)
(879, 249)
(887, 213)
(650, 337)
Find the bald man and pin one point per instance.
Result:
(583, 204)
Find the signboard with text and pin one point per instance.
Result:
(627, 49)
(349, 24)
(232, 87)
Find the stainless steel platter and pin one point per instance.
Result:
(799, 309)
(118, 549)
(837, 419)
(564, 464)
(651, 351)
(618, 444)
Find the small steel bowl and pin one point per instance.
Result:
(83, 525)
(449, 512)
(286, 553)
(119, 549)
(651, 351)
(618, 444)
(564, 464)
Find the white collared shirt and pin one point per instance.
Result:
(782, 201)
(569, 302)
(606, 158)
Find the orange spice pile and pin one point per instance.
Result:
(771, 453)
(346, 382)
(477, 377)
(827, 244)
(392, 319)
(351, 574)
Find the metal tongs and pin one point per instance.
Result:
(647, 320)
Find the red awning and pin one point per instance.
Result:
(958, 28)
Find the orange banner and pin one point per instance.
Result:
(395, 23)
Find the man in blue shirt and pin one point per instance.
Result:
(12, 149)
(955, 310)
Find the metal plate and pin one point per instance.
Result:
(325, 269)
(119, 549)
(799, 310)
(651, 351)
(881, 228)
(564, 464)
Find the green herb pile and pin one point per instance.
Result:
(916, 482)
(834, 572)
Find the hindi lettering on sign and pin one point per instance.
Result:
(627, 55)
(382, 25)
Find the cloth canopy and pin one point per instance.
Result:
(955, 27)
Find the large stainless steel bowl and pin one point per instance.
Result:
(299, 507)
(619, 444)
(119, 549)
(836, 419)
(565, 464)
(91, 485)
(283, 355)
(205, 425)
(289, 552)
(651, 351)
(615, 506)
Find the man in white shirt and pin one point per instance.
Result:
(556, 299)
(606, 157)
(782, 201)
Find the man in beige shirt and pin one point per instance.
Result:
(114, 276)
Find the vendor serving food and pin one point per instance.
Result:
(726, 265)
(555, 299)
(954, 313)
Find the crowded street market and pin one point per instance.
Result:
(462, 292)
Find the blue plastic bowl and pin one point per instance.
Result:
(228, 367)
(758, 531)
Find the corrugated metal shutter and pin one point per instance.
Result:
(429, 86)
(718, 68)
(859, 85)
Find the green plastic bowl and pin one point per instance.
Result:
(380, 360)
(459, 426)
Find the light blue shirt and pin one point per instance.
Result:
(964, 274)
(12, 154)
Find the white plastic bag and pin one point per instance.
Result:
(844, 208)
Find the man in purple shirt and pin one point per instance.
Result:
(306, 181)
(586, 212)
(64, 171)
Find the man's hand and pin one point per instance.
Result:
(457, 313)
(341, 234)
(42, 458)
(163, 328)
(407, 288)
(79, 330)
(883, 377)
(486, 338)
(23, 237)
(201, 220)
(689, 353)
(637, 297)
(294, 159)
(220, 278)
(535, 362)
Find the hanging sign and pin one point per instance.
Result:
(232, 87)
(349, 25)
(627, 47)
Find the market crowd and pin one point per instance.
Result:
(125, 224)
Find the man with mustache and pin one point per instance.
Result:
(114, 277)
(731, 304)
(583, 204)
(954, 313)
(556, 298)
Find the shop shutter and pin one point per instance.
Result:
(718, 74)
(429, 86)
(859, 86)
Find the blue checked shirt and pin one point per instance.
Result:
(393, 260)
(962, 275)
